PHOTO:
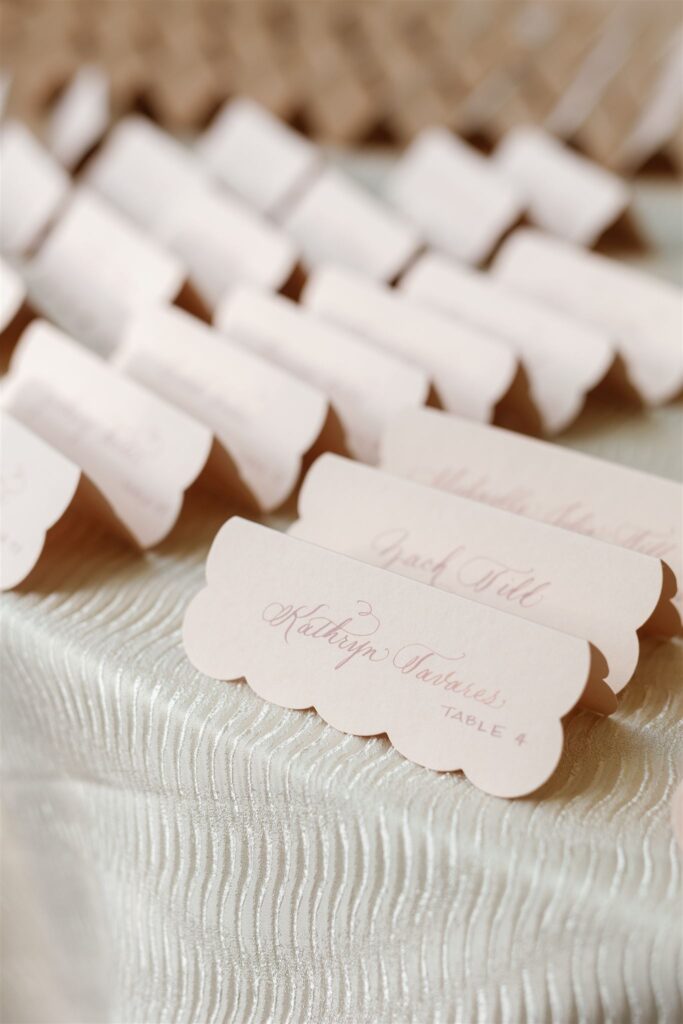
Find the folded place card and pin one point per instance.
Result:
(37, 485)
(660, 116)
(257, 156)
(565, 193)
(12, 295)
(542, 481)
(458, 199)
(470, 371)
(264, 419)
(564, 580)
(140, 452)
(563, 357)
(366, 386)
(95, 268)
(454, 684)
(641, 313)
(80, 117)
(337, 221)
(161, 185)
(34, 186)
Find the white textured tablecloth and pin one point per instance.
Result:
(177, 850)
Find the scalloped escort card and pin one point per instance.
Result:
(565, 193)
(256, 155)
(564, 358)
(34, 186)
(264, 418)
(95, 268)
(161, 185)
(471, 371)
(37, 485)
(80, 116)
(139, 451)
(12, 295)
(541, 481)
(457, 198)
(337, 221)
(366, 386)
(454, 684)
(583, 586)
(642, 314)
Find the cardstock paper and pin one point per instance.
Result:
(257, 156)
(33, 187)
(642, 314)
(264, 418)
(37, 485)
(80, 117)
(600, 592)
(661, 115)
(337, 221)
(532, 478)
(565, 193)
(95, 268)
(456, 197)
(563, 357)
(139, 451)
(366, 386)
(470, 371)
(453, 683)
(12, 294)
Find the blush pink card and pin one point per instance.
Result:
(600, 592)
(37, 485)
(565, 193)
(335, 220)
(95, 268)
(264, 418)
(257, 156)
(454, 684)
(541, 481)
(459, 200)
(366, 386)
(140, 452)
(564, 358)
(470, 370)
(641, 313)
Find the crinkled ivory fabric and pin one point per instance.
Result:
(176, 850)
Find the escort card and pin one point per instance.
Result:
(257, 156)
(34, 187)
(95, 268)
(458, 199)
(471, 371)
(541, 481)
(366, 386)
(80, 117)
(161, 185)
(264, 419)
(37, 485)
(139, 451)
(642, 314)
(580, 585)
(12, 296)
(565, 193)
(454, 684)
(564, 358)
(337, 221)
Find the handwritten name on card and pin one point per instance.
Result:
(563, 357)
(264, 418)
(37, 485)
(541, 481)
(140, 452)
(594, 590)
(641, 313)
(454, 684)
(459, 200)
(470, 370)
(366, 386)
